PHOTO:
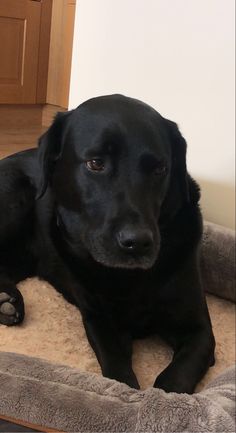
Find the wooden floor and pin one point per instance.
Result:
(14, 140)
(21, 125)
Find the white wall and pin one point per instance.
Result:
(178, 56)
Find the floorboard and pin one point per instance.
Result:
(14, 140)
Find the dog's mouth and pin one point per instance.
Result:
(142, 263)
(115, 259)
(105, 253)
(110, 258)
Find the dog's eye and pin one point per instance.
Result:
(95, 164)
(161, 169)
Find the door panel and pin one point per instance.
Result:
(63, 15)
(11, 65)
(19, 49)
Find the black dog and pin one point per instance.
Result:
(105, 211)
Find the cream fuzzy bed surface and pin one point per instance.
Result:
(53, 330)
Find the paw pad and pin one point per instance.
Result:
(11, 314)
(8, 309)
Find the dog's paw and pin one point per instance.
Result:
(123, 376)
(11, 307)
(173, 383)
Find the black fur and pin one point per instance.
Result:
(122, 243)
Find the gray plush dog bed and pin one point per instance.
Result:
(65, 399)
(46, 396)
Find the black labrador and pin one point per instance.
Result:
(106, 212)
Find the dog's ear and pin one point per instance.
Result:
(50, 148)
(179, 173)
(178, 189)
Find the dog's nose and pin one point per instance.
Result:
(135, 240)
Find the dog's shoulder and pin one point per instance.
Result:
(18, 174)
(19, 169)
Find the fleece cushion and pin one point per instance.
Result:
(218, 261)
(65, 399)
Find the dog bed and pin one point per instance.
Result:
(34, 391)
(65, 399)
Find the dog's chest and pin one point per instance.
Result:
(141, 304)
(131, 308)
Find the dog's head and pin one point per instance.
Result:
(117, 171)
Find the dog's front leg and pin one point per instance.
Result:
(113, 349)
(190, 362)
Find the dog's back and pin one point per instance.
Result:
(17, 201)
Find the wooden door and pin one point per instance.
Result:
(62, 30)
(19, 50)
